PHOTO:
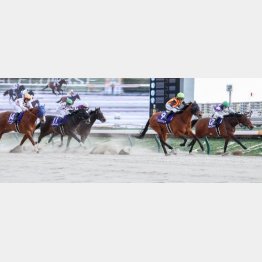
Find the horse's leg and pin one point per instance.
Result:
(192, 143)
(184, 143)
(236, 140)
(163, 145)
(68, 141)
(62, 138)
(29, 136)
(72, 134)
(52, 136)
(225, 145)
(197, 139)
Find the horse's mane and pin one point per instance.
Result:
(233, 115)
(184, 108)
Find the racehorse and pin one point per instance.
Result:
(14, 93)
(180, 126)
(84, 127)
(67, 128)
(26, 125)
(73, 98)
(226, 128)
(56, 88)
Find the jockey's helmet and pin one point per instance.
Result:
(225, 104)
(180, 95)
(69, 101)
(27, 96)
(83, 105)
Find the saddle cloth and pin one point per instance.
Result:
(12, 118)
(213, 123)
(162, 118)
(57, 121)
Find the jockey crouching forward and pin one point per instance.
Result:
(175, 104)
(66, 108)
(23, 104)
(219, 111)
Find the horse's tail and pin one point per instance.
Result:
(44, 88)
(193, 122)
(6, 92)
(142, 134)
(58, 101)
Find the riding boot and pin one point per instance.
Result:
(218, 121)
(16, 117)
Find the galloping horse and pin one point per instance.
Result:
(180, 126)
(84, 127)
(67, 128)
(14, 93)
(73, 98)
(226, 128)
(56, 88)
(26, 125)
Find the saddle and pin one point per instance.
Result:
(15, 118)
(162, 118)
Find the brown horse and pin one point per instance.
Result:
(56, 88)
(26, 126)
(180, 126)
(73, 98)
(226, 129)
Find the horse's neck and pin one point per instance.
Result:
(75, 120)
(93, 118)
(32, 113)
(186, 115)
(233, 123)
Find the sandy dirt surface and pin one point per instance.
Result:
(54, 164)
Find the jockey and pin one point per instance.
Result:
(175, 104)
(66, 107)
(220, 110)
(15, 86)
(71, 93)
(23, 104)
(56, 81)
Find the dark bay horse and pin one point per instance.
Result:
(14, 93)
(26, 126)
(67, 128)
(227, 128)
(180, 126)
(73, 98)
(84, 127)
(56, 88)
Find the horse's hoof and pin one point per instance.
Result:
(173, 152)
(182, 144)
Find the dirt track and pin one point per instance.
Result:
(53, 164)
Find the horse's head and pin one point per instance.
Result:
(195, 110)
(77, 96)
(41, 113)
(63, 81)
(244, 120)
(99, 115)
